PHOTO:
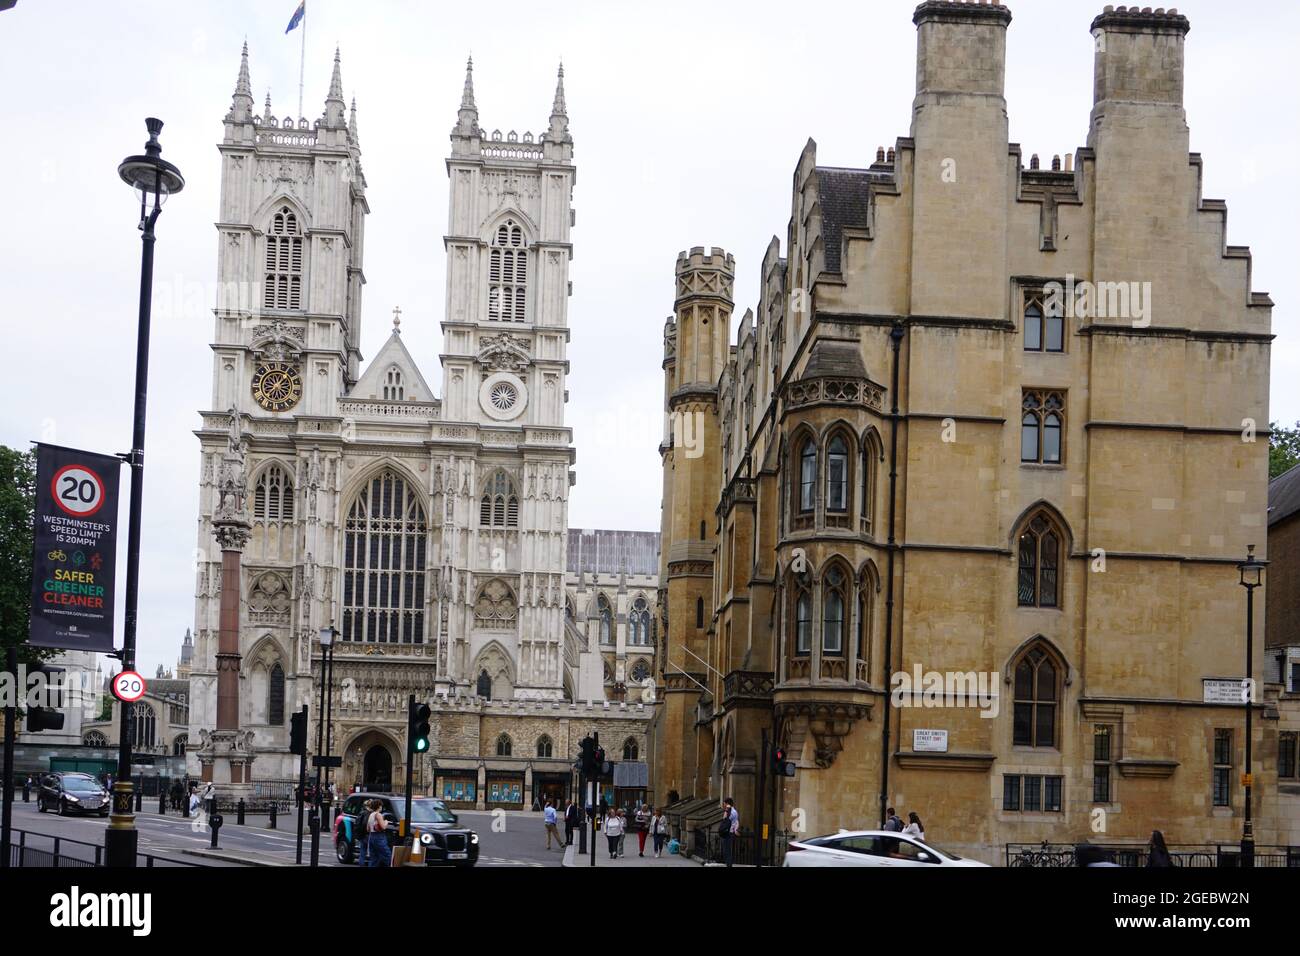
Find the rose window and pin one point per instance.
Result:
(503, 396)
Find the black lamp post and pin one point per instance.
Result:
(153, 179)
(1251, 571)
(323, 735)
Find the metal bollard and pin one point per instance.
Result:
(162, 801)
(215, 822)
(239, 812)
(139, 796)
(273, 811)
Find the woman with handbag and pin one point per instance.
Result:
(659, 829)
(380, 851)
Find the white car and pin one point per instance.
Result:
(870, 848)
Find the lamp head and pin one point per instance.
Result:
(150, 174)
(1251, 569)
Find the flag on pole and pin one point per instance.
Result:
(297, 16)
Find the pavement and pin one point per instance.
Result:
(629, 857)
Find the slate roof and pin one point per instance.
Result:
(834, 357)
(842, 194)
(1284, 496)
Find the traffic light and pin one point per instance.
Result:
(45, 718)
(417, 728)
(598, 761)
(298, 732)
(781, 767)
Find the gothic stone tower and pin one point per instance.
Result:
(286, 347)
(505, 335)
(696, 351)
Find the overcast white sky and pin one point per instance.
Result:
(687, 120)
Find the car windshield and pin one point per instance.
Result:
(430, 811)
(931, 846)
(81, 784)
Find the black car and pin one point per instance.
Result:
(65, 792)
(442, 839)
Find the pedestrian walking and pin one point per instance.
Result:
(1157, 853)
(27, 789)
(915, 827)
(381, 853)
(728, 829)
(659, 829)
(550, 817)
(613, 832)
(642, 827)
(570, 822)
(892, 821)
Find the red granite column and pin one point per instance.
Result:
(231, 536)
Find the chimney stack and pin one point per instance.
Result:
(961, 47)
(1138, 56)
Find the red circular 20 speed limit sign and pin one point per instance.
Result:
(128, 686)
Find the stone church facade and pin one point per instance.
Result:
(934, 460)
(428, 531)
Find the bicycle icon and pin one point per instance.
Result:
(57, 556)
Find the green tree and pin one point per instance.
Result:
(17, 502)
(1283, 448)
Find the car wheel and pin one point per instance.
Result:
(40, 804)
(62, 808)
(343, 850)
(104, 812)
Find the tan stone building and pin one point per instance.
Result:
(1282, 645)
(984, 427)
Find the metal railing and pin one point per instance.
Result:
(747, 847)
(1191, 856)
(44, 850)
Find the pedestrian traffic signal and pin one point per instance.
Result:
(298, 732)
(48, 689)
(417, 730)
(781, 767)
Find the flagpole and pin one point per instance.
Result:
(302, 60)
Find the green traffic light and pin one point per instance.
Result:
(421, 745)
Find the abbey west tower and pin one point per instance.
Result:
(429, 533)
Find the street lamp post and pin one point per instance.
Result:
(327, 635)
(153, 179)
(1251, 571)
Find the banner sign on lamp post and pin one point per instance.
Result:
(75, 532)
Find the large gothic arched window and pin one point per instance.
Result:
(383, 564)
(144, 726)
(275, 696)
(508, 274)
(499, 506)
(283, 276)
(834, 603)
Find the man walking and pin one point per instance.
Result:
(570, 822)
(548, 814)
(893, 822)
(27, 789)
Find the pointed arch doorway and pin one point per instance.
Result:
(377, 769)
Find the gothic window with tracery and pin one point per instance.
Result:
(275, 696)
(1038, 581)
(640, 671)
(544, 746)
(606, 615)
(508, 274)
(273, 496)
(144, 726)
(499, 506)
(385, 538)
(496, 606)
(504, 746)
(1042, 425)
(834, 602)
(638, 623)
(1036, 698)
(283, 275)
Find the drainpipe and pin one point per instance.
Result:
(896, 339)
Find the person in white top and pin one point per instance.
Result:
(915, 827)
(659, 829)
(613, 831)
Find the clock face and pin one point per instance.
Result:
(277, 386)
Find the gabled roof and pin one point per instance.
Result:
(1284, 496)
(371, 383)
